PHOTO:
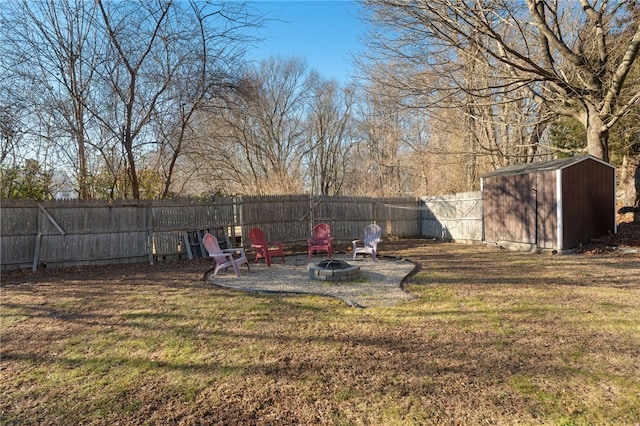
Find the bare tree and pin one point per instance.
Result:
(282, 100)
(329, 135)
(259, 139)
(140, 38)
(108, 83)
(382, 152)
(206, 76)
(9, 135)
(560, 54)
(53, 47)
(170, 58)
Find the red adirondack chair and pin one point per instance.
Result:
(370, 242)
(265, 249)
(224, 258)
(321, 239)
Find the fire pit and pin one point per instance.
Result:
(333, 270)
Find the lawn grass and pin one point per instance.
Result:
(493, 338)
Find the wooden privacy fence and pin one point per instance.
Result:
(63, 233)
(456, 217)
(75, 233)
(290, 219)
(72, 233)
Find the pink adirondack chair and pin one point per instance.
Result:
(224, 258)
(321, 239)
(265, 249)
(369, 243)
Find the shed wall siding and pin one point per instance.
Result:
(588, 202)
(546, 207)
(510, 208)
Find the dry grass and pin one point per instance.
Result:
(493, 337)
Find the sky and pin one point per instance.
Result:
(325, 33)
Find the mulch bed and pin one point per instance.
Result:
(626, 239)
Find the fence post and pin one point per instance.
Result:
(36, 253)
(420, 205)
(239, 217)
(312, 207)
(150, 232)
(373, 212)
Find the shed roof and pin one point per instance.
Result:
(543, 166)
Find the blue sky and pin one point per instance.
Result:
(325, 33)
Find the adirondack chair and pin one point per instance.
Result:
(321, 239)
(265, 249)
(370, 242)
(224, 258)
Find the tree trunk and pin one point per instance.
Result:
(597, 135)
(629, 185)
(636, 202)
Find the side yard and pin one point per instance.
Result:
(492, 337)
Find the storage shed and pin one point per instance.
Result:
(555, 205)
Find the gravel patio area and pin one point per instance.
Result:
(380, 282)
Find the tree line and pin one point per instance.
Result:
(156, 99)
